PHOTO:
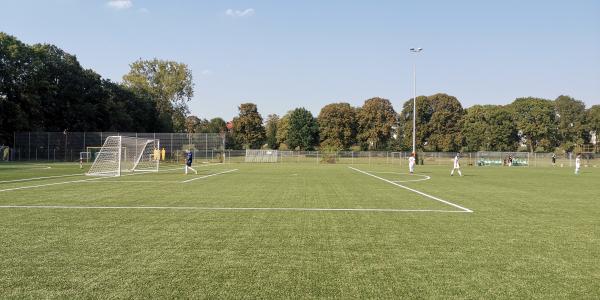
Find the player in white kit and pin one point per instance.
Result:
(411, 163)
(456, 165)
(577, 163)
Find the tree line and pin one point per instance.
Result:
(526, 124)
(43, 88)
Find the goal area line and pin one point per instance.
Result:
(462, 209)
(191, 208)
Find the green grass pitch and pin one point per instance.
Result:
(300, 230)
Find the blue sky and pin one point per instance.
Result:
(286, 54)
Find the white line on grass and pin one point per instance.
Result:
(38, 178)
(206, 176)
(72, 181)
(231, 208)
(50, 184)
(413, 190)
(425, 177)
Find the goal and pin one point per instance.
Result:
(261, 156)
(396, 158)
(125, 154)
(85, 156)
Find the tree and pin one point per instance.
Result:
(376, 118)
(283, 126)
(489, 128)
(15, 67)
(44, 88)
(593, 121)
(337, 126)
(168, 83)
(192, 124)
(424, 113)
(248, 130)
(570, 114)
(536, 122)
(217, 125)
(303, 132)
(271, 131)
(444, 125)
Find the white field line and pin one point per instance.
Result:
(413, 190)
(51, 184)
(230, 208)
(425, 177)
(210, 175)
(137, 181)
(39, 178)
(72, 181)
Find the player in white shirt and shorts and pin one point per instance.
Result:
(411, 163)
(456, 165)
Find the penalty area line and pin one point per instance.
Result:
(230, 208)
(210, 175)
(413, 190)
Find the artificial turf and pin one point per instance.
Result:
(533, 233)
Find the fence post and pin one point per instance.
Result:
(48, 143)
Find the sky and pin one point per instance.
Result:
(287, 54)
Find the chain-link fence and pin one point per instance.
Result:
(66, 146)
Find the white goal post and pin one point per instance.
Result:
(126, 154)
(85, 156)
(261, 156)
(396, 158)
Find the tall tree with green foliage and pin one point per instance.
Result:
(248, 130)
(593, 121)
(405, 122)
(303, 132)
(337, 126)
(192, 124)
(283, 126)
(444, 125)
(15, 76)
(271, 131)
(45, 88)
(536, 122)
(168, 83)
(489, 128)
(571, 116)
(376, 119)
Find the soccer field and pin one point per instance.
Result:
(300, 230)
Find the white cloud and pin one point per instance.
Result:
(120, 4)
(240, 13)
(206, 72)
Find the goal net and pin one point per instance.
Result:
(125, 154)
(261, 156)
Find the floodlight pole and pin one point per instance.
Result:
(414, 137)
